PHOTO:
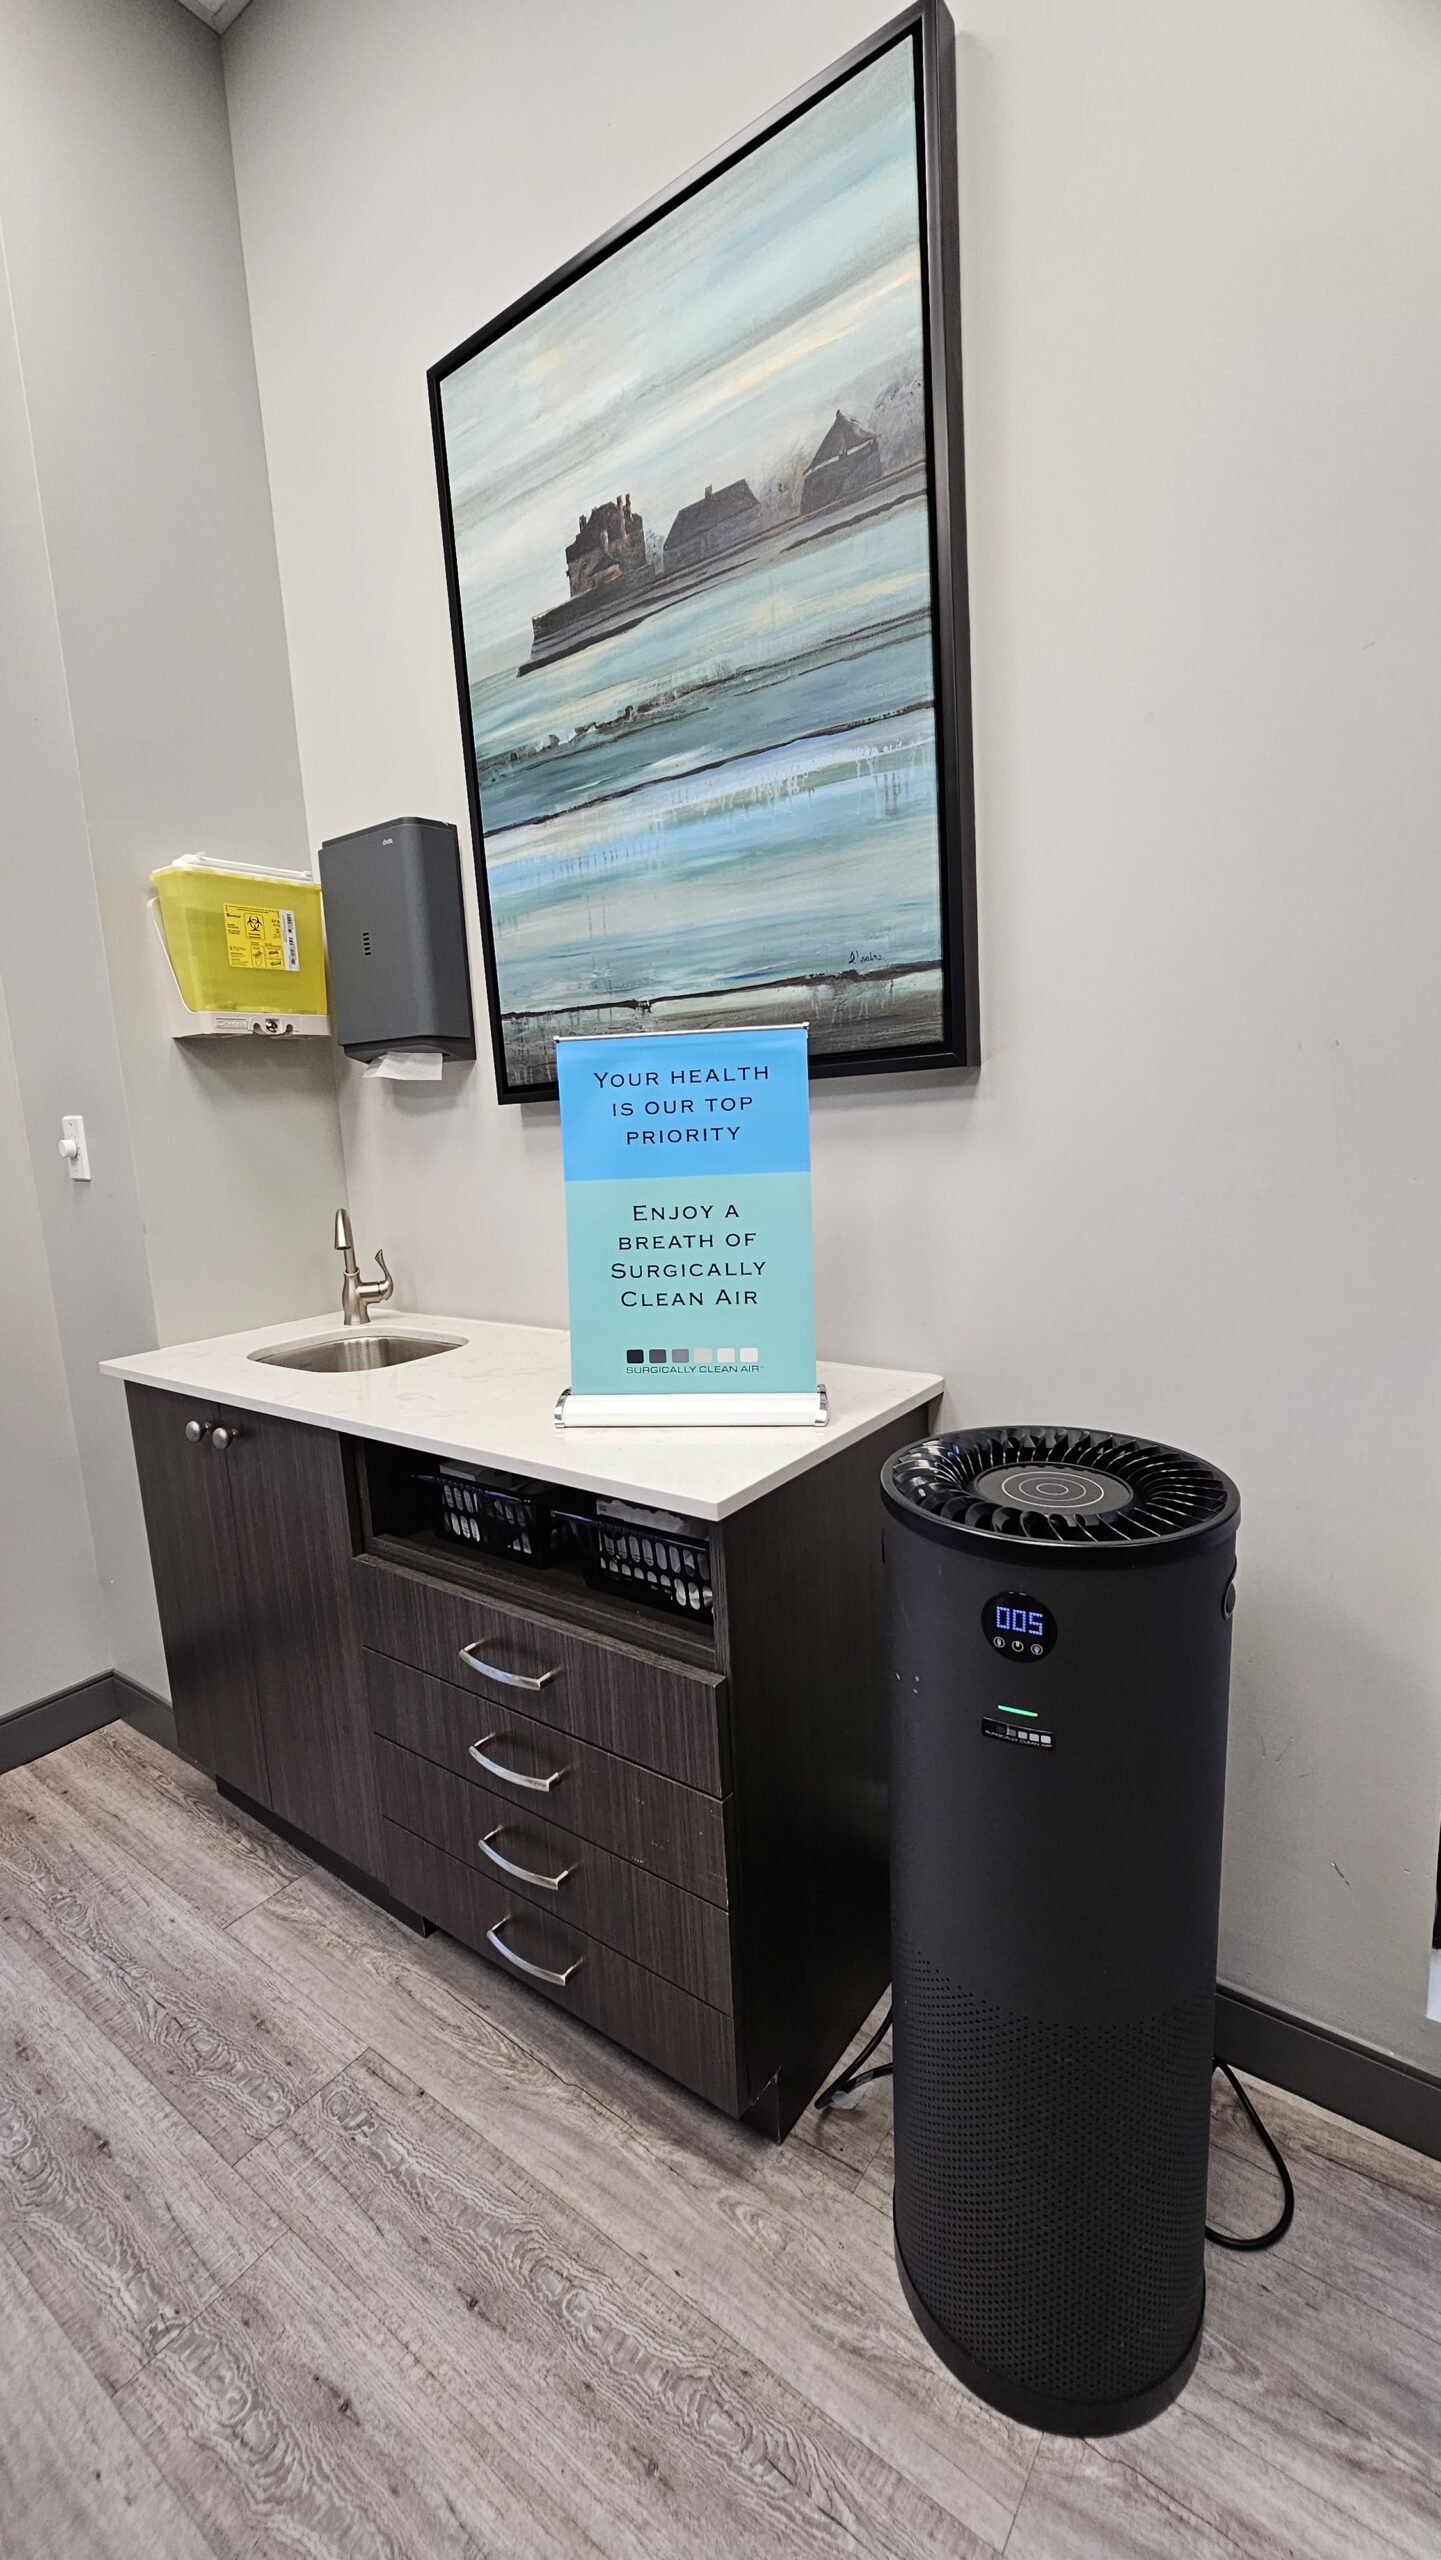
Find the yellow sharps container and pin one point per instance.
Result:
(242, 941)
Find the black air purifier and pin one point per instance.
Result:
(1059, 1653)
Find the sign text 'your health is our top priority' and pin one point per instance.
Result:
(684, 1119)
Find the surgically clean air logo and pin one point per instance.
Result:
(703, 1357)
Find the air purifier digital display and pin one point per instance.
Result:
(1016, 1622)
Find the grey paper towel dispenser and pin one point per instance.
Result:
(395, 936)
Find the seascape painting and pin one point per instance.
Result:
(691, 552)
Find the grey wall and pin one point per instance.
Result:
(145, 712)
(52, 1616)
(117, 200)
(65, 1058)
(1193, 1191)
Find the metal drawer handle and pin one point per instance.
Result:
(512, 1777)
(522, 1875)
(522, 1964)
(508, 1679)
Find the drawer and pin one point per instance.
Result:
(693, 2043)
(662, 1714)
(675, 1831)
(653, 1923)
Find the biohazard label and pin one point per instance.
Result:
(261, 938)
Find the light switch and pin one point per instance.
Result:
(73, 1147)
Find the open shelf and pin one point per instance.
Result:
(393, 1525)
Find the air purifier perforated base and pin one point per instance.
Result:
(1058, 2417)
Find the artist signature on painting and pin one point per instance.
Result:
(866, 959)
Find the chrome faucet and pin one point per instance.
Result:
(358, 1296)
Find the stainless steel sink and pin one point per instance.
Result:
(359, 1350)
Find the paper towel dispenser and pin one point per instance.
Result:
(395, 935)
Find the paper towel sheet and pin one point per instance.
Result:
(407, 1066)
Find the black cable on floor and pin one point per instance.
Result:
(846, 2082)
(1282, 2224)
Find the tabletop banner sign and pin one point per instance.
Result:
(688, 1228)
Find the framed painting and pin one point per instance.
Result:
(702, 500)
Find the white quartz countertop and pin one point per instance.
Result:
(492, 1401)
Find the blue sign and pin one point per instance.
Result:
(688, 1213)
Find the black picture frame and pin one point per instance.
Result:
(927, 26)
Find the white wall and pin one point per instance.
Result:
(1193, 1191)
(144, 712)
(117, 201)
(52, 1616)
(65, 1058)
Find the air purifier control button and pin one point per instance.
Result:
(1228, 1598)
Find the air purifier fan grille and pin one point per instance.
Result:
(1059, 1488)
(1040, 2262)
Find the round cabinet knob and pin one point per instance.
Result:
(220, 1438)
(196, 1430)
(70, 1149)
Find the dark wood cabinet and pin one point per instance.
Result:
(250, 1538)
(673, 1777)
(671, 1831)
(620, 1696)
(674, 1829)
(289, 1496)
(650, 2016)
(185, 1491)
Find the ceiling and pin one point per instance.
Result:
(218, 14)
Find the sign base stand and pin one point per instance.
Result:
(683, 1412)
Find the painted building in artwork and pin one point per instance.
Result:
(712, 524)
(604, 564)
(846, 461)
(613, 582)
(609, 544)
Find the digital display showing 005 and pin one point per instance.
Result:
(1018, 1621)
(1015, 1624)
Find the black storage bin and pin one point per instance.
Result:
(501, 1514)
(670, 1568)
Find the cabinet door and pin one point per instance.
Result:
(291, 1511)
(186, 1499)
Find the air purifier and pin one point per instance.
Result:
(1059, 1635)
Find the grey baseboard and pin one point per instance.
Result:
(147, 1713)
(1350, 2079)
(52, 1722)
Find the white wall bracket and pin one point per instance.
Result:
(74, 1146)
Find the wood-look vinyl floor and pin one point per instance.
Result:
(320, 2238)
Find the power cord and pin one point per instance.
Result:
(844, 2090)
(1282, 2223)
(848, 2084)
